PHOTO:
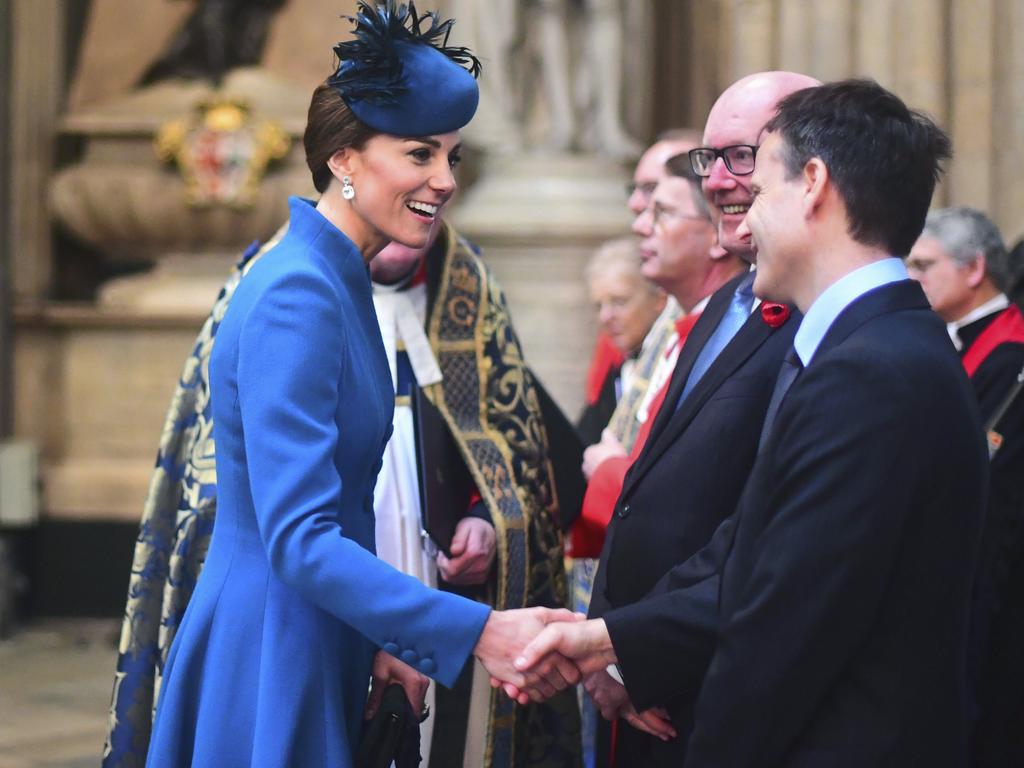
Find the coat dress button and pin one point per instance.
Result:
(391, 648)
(624, 511)
(427, 666)
(410, 657)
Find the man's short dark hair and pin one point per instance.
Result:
(883, 158)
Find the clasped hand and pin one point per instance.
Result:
(531, 656)
(386, 670)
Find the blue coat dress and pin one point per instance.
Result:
(271, 663)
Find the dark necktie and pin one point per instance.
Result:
(791, 367)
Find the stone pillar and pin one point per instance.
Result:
(6, 150)
(37, 70)
(831, 25)
(705, 61)
(874, 40)
(795, 35)
(1007, 157)
(971, 115)
(752, 42)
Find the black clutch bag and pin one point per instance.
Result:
(445, 481)
(392, 735)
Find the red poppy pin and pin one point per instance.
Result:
(774, 314)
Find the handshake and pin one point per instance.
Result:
(533, 653)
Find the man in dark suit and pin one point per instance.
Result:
(962, 265)
(702, 444)
(845, 574)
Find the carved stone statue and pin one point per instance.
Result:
(553, 75)
(217, 37)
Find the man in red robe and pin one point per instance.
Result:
(962, 264)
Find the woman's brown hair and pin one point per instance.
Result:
(330, 127)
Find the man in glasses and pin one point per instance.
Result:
(650, 169)
(840, 621)
(629, 416)
(702, 444)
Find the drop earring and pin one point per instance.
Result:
(347, 190)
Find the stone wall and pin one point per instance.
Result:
(77, 369)
(962, 61)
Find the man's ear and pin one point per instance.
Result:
(815, 179)
(342, 163)
(976, 271)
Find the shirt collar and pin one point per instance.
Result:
(700, 305)
(994, 304)
(837, 297)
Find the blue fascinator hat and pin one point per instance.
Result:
(398, 74)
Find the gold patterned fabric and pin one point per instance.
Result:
(624, 424)
(487, 398)
(174, 534)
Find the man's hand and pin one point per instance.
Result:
(587, 643)
(473, 547)
(506, 634)
(654, 721)
(386, 670)
(613, 702)
(608, 448)
(609, 696)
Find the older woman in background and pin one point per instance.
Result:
(627, 305)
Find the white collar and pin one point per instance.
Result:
(994, 304)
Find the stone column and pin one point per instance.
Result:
(6, 150)
(37, 63)
(971, 118)
(752, 42)
(795, 35)
(874, 40)
(1007, 157)
(831, 26)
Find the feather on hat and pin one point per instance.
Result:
(399, 75)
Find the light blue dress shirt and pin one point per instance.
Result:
(837, 297)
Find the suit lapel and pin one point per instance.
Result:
(746, 342)
(892, 297)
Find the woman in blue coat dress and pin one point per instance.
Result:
(271, 664)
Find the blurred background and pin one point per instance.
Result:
(144, 144)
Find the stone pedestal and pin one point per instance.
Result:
(192, 215)
(538, 219)
(94, 381)
(93, 386)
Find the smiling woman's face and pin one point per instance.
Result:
(402, 184)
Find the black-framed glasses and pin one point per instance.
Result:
(739, 159)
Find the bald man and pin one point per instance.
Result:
(700, 451)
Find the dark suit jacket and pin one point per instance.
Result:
(689, 476)
(998, 613)
(844, 598)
